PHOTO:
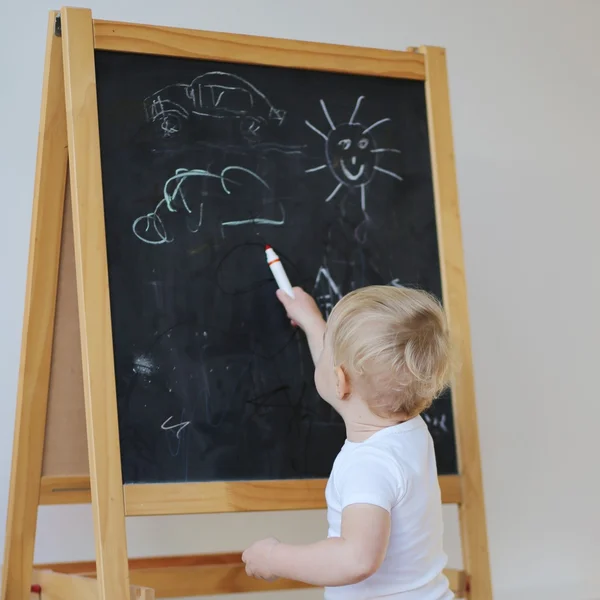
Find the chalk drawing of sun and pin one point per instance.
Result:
(351, 153)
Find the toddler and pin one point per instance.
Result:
(381, 359)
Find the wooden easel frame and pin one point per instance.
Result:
(69, 133)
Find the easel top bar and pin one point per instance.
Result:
(274, 52)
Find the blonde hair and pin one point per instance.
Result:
(393, 344)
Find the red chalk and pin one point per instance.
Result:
(36, 588)
(267, 247)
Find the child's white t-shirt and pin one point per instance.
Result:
(395, 469)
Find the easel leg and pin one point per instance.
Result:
(472, 508)
(94, 304)
(38, 329)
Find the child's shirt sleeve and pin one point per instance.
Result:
(371, 476)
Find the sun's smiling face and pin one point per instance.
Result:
(350, 154)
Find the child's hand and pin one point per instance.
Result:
(302, 309)
(257, 558)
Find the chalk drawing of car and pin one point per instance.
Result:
(213, 95)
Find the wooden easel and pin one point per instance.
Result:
(58, 393)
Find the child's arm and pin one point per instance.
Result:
(351, 558)
(304, 312)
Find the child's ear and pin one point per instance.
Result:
(342, 383)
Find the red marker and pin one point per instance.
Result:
(278, 271)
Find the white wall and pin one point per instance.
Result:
(525, 84)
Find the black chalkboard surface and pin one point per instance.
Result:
(203, 164)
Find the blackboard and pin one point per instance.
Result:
(203, 163)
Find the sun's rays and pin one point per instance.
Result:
(351, 153)
(395, 175)
(378, 150)
(376, 124)
(332, 195)
(360, 99)
(326, 113)
(319, 168)
(316, 130)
